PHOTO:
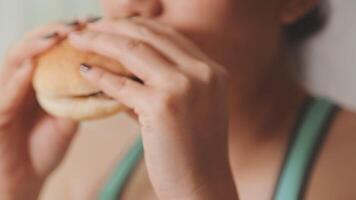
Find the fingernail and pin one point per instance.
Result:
(84, 68)
(93, 19)
(73, 23)
(51, 35)
(134, 78)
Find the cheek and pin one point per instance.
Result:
(229, 16)
(244, 27)
(195, 14)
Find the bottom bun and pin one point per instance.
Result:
(80, 108)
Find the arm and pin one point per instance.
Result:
(32, 143)
(181, 107)
(334, 174)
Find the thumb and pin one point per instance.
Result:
(50, 141)
(17, 89)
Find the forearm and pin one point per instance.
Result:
(220, 188)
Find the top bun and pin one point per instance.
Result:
(63, 92)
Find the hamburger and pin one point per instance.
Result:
(63, 92)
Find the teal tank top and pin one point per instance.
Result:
(304, 144)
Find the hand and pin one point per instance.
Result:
(181, 105)
(32, 143)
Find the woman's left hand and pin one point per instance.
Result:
(181, 105)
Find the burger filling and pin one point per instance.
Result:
(94, 95)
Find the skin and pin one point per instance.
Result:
(212, 83)
(31, 146)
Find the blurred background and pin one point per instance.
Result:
(330, 59)
(331, 55)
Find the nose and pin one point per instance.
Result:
(128, 8)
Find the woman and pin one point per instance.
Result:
(254, 135)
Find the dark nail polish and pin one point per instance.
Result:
(73, 23)
(51, 35)
(85, 67)
(93, 19)
(134, 78)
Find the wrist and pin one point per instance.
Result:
(217, 184)
(20, 195)
(222, 188)
(28, 193)
(210, 183)
(26, 188)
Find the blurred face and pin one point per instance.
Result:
(233, 32)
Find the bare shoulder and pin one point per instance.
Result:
(334, 175)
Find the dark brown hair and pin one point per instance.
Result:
(311, 23)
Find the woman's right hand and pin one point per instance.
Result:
(32, 143)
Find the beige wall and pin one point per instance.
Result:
(18, 16)
(332, 55)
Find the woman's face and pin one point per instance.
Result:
(233, 32)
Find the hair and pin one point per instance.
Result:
(298, 32)
(312, 23)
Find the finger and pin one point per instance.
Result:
(132, 114)
(35, 43)
(41, 39)
(185, 43)
(92, 19)
(139, 58)
(125, 90)
(28, 49)
(62, 29)
(159, 40)
(181, 39)
(17, 89)
(21, 52)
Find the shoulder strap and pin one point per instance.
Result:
(304, 146)
(116, 183)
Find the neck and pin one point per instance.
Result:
(263, 102)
